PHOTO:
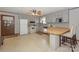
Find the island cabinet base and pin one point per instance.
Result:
(54, 41)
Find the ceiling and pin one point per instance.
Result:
(26, 10)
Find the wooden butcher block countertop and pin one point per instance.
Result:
(57, 30)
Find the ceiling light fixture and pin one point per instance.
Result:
(36, 13)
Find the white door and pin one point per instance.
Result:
(23, 26)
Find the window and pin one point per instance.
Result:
(43, 20)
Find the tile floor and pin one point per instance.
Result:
(31, 43)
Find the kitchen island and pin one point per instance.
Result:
(55, 34)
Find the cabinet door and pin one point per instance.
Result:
(50, 18)
(65, 16)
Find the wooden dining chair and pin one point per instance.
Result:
(70, 38)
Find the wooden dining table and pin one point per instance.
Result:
(55, 34)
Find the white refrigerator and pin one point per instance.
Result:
(23, 26)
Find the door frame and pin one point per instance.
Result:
(13, 23)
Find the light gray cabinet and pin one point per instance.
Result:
(48, 19)
(51, 18)
(65, 16)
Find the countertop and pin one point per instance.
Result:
(57, 30)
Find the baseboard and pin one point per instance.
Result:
(17, 34)
(10, 36)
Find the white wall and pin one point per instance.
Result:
(74, 19)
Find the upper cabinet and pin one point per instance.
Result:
(57, 17)
(65, 16)
(50, 18)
